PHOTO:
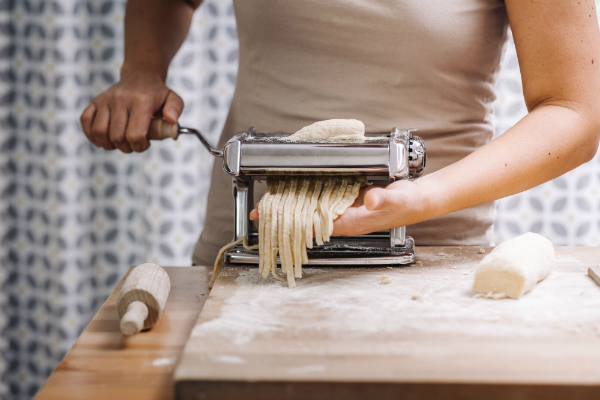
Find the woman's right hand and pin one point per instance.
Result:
(119, 117)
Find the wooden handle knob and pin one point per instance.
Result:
(133, 320)
(149, 285)
(161, 129)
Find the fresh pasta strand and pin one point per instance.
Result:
(285, 241)
(348, 201)
(219, 260)
(305, 206)
(298, 237)
(266, 231)
(351, 182)
(324, 208)
(314, 199)
(333, 202)
(261, 228)
(284, 197)
(274, 235)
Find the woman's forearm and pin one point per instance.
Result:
(154, 32)
(550, 141)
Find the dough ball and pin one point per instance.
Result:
(515, 266)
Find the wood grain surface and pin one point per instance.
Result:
(104, 364)
(342, 334)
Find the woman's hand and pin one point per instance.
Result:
(376, 208)
(120, 117)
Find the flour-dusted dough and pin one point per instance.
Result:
(515, 266)
(332, 130)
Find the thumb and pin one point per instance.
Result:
(172, 108)
(379, 199)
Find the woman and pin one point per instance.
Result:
(405, 63)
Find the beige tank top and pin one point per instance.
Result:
(430, 65)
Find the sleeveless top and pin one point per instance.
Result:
(430, 65)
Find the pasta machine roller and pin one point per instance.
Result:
(250, 156)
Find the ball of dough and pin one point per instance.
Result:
(515, 266)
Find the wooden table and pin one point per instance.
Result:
(341, 334)
(103, 364)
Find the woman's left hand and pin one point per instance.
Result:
(378, 208)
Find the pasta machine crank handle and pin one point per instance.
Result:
(160, 129)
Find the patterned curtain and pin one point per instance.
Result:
(74, 218)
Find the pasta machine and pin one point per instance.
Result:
(250, 156)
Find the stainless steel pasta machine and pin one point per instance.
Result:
(250, 156)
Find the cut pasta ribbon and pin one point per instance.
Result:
(289, 211)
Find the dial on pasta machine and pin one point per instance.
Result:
(250, 156)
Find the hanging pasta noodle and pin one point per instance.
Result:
(261, 226)
(324, 210)
(280, 242)
(286, 250)
(219, 260)
(298, 237)
(303, 227)
(333, 202)
(348, 201)
(314, 200)
(271, 231)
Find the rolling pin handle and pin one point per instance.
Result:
(133, 320)
(161, 129)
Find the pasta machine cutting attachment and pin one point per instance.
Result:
(250, 156)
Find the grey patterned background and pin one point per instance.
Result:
(74, 218)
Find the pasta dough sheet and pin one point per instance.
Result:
(332, 130)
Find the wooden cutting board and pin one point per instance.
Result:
(342, 334)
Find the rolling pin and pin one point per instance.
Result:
(142, 298)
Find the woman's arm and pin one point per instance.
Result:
(119, 117)
(558, 46)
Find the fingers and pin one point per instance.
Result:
(254, 216)
(173, 107)
(375, 199)
(118, 125)
(100, 128)
(137, 128)
(86, 119)
(359, 221)
(120, 116)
